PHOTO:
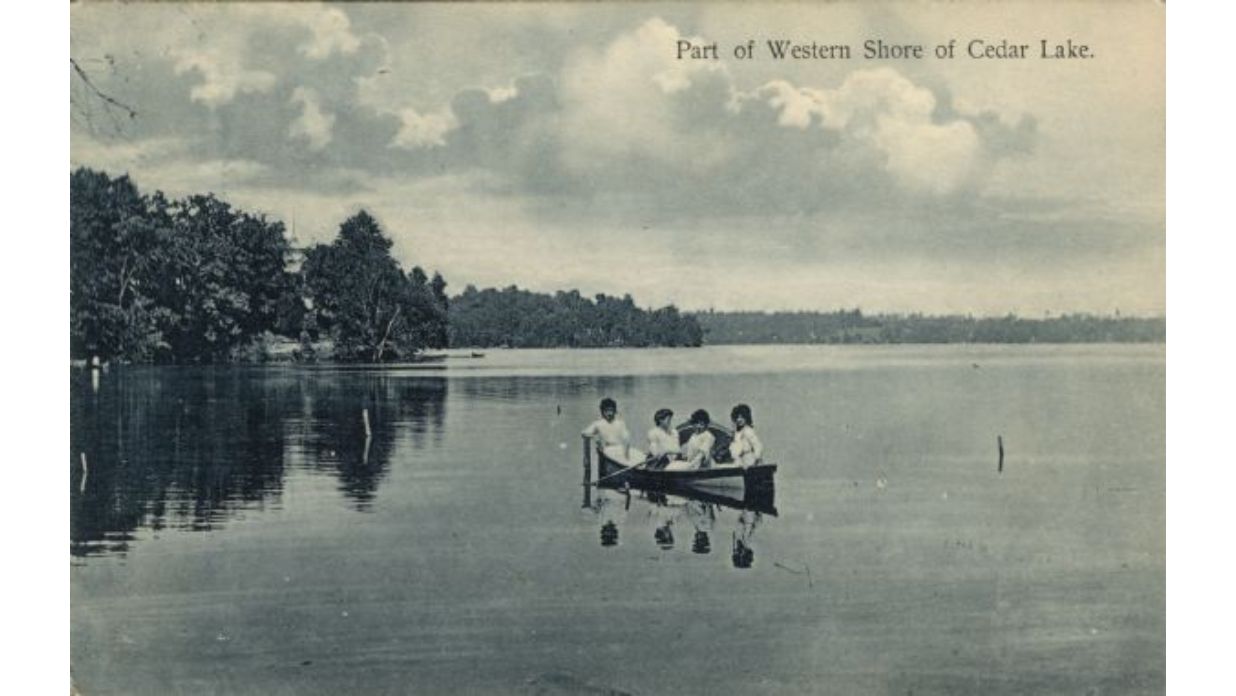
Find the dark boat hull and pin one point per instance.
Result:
(750, 479)
(761, 500)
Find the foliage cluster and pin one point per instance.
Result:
(522, 319)
(198, 281)
(158, 280)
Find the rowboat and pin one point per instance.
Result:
(756, 498)
(721, 475)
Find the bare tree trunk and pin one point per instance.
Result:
(380, 348)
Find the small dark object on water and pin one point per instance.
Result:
(701, 544)
(742, 556)
(664, 537)
(1000, 446)
(306, 662)
(609, 534)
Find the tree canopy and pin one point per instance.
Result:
(360, 296)
(190, 280)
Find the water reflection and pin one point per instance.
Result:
(672, 510)
(547, 388)
(190, 448)
(742, 554)
(353, 425)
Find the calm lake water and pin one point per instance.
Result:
(233, 532)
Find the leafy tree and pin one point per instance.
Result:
(151, 279)
(363, 298)
(113, 244)
(222, 275)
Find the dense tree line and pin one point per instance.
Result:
(197, 281)
(522, 319)
(852, 326)
(159, 280)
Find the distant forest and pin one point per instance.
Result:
(852, 326)
(522, 319)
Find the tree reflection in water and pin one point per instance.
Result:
(188, 448)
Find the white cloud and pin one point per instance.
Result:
(122, 155)
(497, 95)
(424, 130)
(882, 109)
(222, 71)
(617, 102)
(313, 124)
(160, 163)
(331, 32)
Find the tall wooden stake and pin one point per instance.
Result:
(587, 471)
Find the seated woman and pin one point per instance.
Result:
(697, 453)
(611, 434)
(662, 440)
(745, 448)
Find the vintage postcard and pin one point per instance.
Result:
(624, 348)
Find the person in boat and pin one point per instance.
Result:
(610, 432)
(746, 448)
(662, 440)
(698, 451)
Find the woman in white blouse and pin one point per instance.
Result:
(745, 448)
(662, 440)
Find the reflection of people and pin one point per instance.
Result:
(745, 448)
(702, 517)
(609, 533)
(742, 554)
(701, 544)
(610, 432)
(664, 535)
(662, 440)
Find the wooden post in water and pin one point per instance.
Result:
(1000, 447)
(587, 471)
(365, 417)
(85, 473)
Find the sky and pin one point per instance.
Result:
(568, 146)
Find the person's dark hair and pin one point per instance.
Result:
(661, 414)
(744, 411)
(608, 403)
(700, 417)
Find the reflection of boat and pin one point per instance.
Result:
(733, 483)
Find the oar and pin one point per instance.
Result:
(616, 473)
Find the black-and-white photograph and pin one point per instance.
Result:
(617, 348)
